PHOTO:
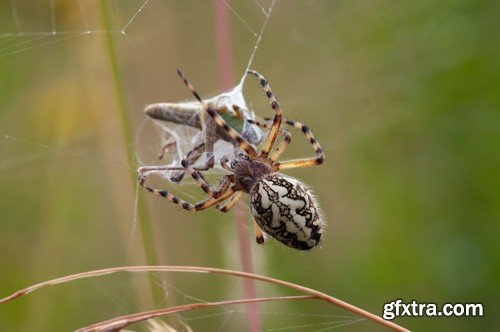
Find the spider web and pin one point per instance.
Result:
(186, 137)
(25, 37)
(22, 37)
(118, 292)
(226, 318)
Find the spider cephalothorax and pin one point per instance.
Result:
(282, 206)
(249, 172)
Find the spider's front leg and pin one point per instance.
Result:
(278, 115)
(287, 138)
(305, 162)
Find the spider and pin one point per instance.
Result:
(282, 206)
(193, 115)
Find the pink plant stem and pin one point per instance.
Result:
(224, 56)
(224, 51)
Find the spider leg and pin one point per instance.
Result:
(259, 123)
(287, 138)
(273, 132)
(320, 155)
(243, 143)
(192, 156)
(259, 235)
(221, 187)
(236, 196)
(144, 171)
(210, 135)
(201, 205)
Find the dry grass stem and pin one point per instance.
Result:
(197, 269)
(117, 323)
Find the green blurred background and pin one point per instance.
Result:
(403, 96)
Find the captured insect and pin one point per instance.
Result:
(193, 115)
(282, 206)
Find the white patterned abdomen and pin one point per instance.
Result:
(285, 209)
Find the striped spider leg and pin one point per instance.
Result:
(287, 138)
(282, 206)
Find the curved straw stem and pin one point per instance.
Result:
(197, 269)
(117, 323)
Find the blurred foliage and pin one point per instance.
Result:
(402, 95)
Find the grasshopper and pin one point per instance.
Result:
(192, 114)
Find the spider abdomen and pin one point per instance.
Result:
(285, 209)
